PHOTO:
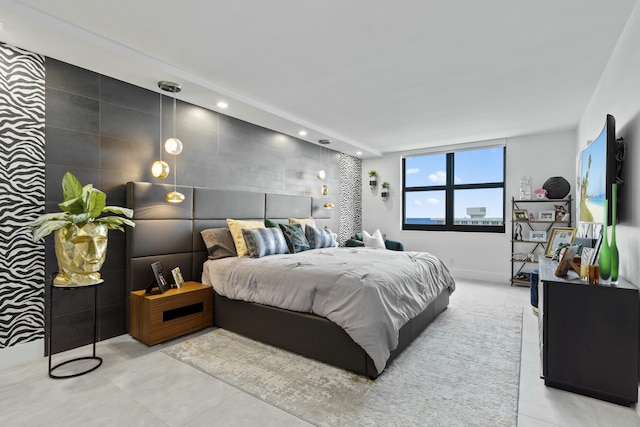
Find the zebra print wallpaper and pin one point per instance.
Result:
(350, 197)
(22, 185)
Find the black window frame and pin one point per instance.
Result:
(449, 188)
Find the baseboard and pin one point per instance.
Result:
(21, 354)
(483, 276)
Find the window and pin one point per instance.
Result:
(455, 191)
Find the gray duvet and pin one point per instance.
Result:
(369, 292)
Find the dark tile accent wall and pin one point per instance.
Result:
(107, 132)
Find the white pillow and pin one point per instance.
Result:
(374, 240)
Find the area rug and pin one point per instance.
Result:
(463, 370)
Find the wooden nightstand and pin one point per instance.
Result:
(156, 317)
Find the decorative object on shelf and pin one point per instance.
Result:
(520, 215)
(160, 168)
(532, 216)
(557, 187)
(604, 257)
(80, 232)
(540, 193)
(547, 215)
(525, 188)
(561, 213)
(558, 236)
(517, 232)
(173, 145)
(538, 236)
(373, 179)
(385, 190)
(615, 261)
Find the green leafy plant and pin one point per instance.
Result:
(385, 185)
(81, 205)
(373, 173)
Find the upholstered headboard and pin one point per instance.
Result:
(171, 232)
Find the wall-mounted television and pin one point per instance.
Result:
(599, 169)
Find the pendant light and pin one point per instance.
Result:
(160, 168)
(173, 145)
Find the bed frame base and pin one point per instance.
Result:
(313, 336)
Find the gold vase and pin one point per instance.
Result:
(81, 251)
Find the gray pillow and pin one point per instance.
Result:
(219, 243)
(265, 241)
(319, 238)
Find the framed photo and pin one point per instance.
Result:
(538, 236)
(587, 256)
(547, 216)
(520, 215)
(159, 278)
(561, 215)
(566, 260)
(177, 277)
(559, 235)
(596, 250)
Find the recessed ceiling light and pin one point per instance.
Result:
(222, 104)
(302, 133)
(358, 153)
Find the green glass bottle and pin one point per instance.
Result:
(604, 259)
(615, 261)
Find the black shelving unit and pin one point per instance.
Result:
(521, 268)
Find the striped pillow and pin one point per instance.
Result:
(319, 238)
(265, 241)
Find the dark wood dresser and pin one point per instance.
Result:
(589, 335)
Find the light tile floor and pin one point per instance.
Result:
(140, 386)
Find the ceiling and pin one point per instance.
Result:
(370, 75)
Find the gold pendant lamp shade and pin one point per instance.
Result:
(160, 169)
(173, 145)
(174, 197)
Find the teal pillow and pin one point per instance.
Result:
(271, 223)
(295, 238)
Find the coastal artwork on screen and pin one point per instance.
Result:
(593, 179)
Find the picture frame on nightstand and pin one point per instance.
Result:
(177, 277)
(160, 280)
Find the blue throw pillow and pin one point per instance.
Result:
(319, 238)
(295, 238)
(265, 241)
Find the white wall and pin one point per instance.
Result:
(483, 256)
(618, 93)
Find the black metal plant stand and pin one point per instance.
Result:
(95, 332)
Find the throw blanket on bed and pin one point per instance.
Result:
(370, 293)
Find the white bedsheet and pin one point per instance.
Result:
(370, 293)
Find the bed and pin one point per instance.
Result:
(171, 233)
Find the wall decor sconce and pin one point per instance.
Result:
(373, 179)
(385, 190)
(173, 145)
(329, 205)
(160, 168)
(325, 190)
